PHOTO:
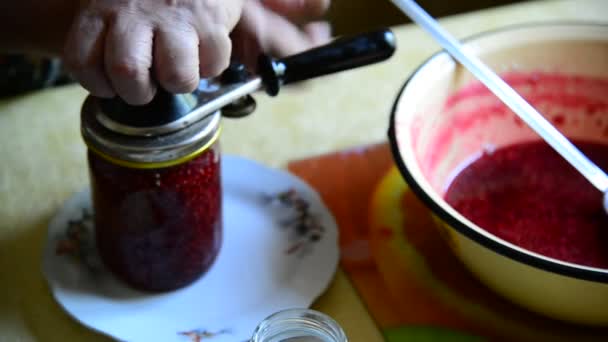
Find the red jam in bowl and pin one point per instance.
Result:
(158, 229)
(528, 195)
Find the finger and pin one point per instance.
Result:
(277, 35)
(215, 49)
(298, 11)
(245, 47)
(176, 60)
(83, 55)
(128, 60)
(318, 33)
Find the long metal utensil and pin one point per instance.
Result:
(509, 97)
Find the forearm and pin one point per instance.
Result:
(35, 26)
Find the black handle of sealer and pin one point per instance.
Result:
(339, 55)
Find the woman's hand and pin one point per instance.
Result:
(118, 46)
(128, 47)
(279, 28)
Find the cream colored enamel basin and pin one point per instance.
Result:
(431, 137)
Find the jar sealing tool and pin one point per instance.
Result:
(230, 92)
(509, 97)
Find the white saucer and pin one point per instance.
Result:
(264, 266)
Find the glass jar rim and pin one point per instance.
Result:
(298, 323)
(160, 164)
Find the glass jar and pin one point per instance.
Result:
(299, 325)
(156, 190)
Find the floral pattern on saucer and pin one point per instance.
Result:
(304, 226)
(202, 335)
(78, 242)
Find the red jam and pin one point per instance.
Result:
(528, 195)
(158, 229)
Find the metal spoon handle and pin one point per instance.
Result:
(506, 94)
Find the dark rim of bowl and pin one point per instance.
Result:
(494, 245)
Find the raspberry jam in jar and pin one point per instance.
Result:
(156, 189)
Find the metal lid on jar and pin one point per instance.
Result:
(170, 129)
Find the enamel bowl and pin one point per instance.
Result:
(562, 68)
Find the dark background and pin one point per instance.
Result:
(355, 16)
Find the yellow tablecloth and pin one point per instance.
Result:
(42, 160)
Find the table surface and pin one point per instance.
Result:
(43, 160)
